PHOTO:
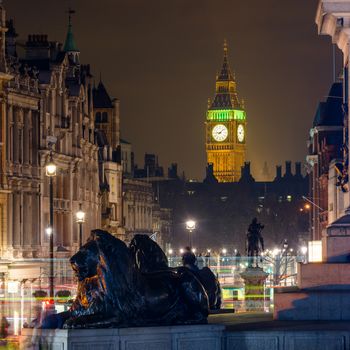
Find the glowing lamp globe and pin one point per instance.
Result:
(80, 216)
(51, 169)
(190, 225)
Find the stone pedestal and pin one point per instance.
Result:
(194, 337)
(323, 291)
(336, 241)
(254, 278)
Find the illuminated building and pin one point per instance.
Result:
(325, 144)
(107, 126)
(49, 108)
(226, 127)
(331, 19)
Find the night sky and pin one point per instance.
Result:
(160, 57)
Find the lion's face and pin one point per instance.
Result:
(85, 261)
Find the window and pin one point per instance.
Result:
(289, 198)
(104, 117)
(98, 117)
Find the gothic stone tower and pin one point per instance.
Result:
(226, 127)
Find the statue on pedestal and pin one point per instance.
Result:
(254, 276)
(255, 242)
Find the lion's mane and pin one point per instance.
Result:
(110, 291)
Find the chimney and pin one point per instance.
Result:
(172, 171)
(278, 171)
(298, 169)
(37, 47)
(288, 168)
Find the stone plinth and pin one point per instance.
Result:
(336, 241)
(312, 304)
(192, 337)
(323, 291)
(319, 275)
(254, 278)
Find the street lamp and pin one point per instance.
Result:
(303, 250)
(80, 215)
(170, 253)
(51, 169)
(190, 226)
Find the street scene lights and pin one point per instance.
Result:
(51, 170)
(80, 215)
(303, 251)
(190, 227)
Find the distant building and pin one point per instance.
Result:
(138, 201)
(142, 211)
(223, 211)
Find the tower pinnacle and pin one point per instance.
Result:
(70, 44)
(225, 72)
(225, 48)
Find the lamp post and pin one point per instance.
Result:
(285, 251)
(190, 226)
(208, 257)
(80, 215)
(51, 173)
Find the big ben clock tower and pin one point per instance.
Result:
(226, 127)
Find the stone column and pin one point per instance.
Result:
(35, 239)
(20, 125)
(28, 216)
(16, 219)
(15, 143)
(26, 143)
(9, 222)
(9, 134)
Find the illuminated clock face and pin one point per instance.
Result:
(240, 133)
(220, 132)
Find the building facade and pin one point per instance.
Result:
(107, 123)
(325, 146)
(226, 127)
(51, 112)
(333, 19)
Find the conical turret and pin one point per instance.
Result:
(70, 45)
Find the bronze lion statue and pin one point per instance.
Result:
(120, 286)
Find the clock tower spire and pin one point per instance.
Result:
(225, 127)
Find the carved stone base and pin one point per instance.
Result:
(254, 278)
(336, 241)
(201, 337)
